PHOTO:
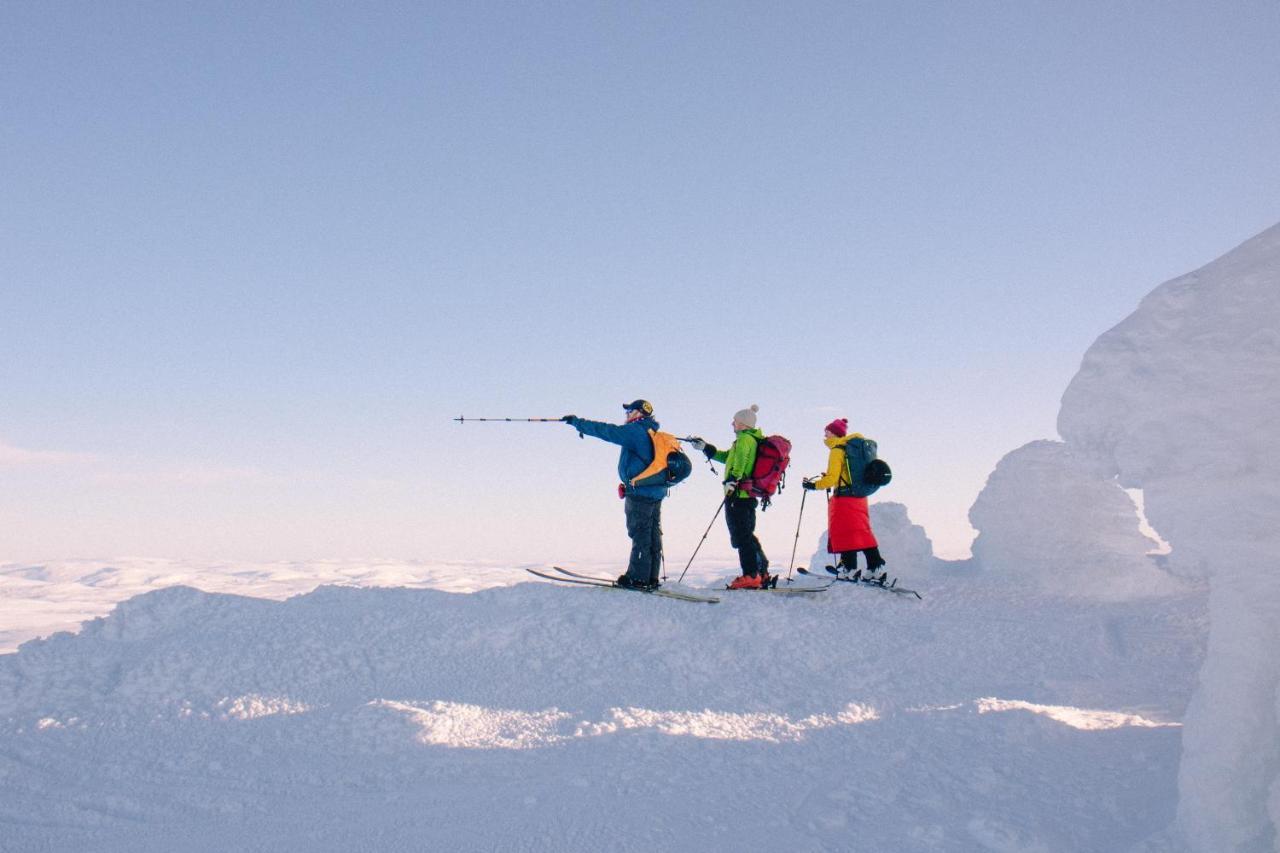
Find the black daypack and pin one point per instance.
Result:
(867, 472)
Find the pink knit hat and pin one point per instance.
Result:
(839, 426)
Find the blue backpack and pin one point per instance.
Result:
(867, 472)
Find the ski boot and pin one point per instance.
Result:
(746, 582)
(627, 582)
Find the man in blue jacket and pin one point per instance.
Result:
(643, 503)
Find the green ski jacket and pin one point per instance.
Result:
(740, 459)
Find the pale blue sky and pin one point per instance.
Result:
(254, 256)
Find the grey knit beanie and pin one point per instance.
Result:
(747, 416)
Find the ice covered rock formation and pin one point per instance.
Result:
(903, 544)
(1182, 400)
(1050, 519)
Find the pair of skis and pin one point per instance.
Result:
(567, 576)
(856, 577)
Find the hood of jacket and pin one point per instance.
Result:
(841, 440)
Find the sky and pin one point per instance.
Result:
(255, 257)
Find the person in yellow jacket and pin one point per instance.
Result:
(848, 516)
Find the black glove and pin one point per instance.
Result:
(569, 418)
(808, 484)
(710, 450)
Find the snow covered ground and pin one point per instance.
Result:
(536, 716)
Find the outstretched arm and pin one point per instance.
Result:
(612, 433)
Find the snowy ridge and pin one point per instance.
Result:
(204, 721)
(58, 596)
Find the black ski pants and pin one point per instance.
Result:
(740, 515)
(850, 558)
(644, 526)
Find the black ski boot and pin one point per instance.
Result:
(627, 582)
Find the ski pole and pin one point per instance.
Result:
(462, 420)
(703, 539)
(804, 493)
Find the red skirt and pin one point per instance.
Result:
(849, 525)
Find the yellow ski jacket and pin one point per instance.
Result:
(837, 463)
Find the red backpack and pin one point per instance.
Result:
(773, 455)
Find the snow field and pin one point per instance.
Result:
(546, 717)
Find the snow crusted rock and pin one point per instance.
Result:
(901, 541)
(1182, 400)
(1046, 517)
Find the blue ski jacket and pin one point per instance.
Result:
(637, 450)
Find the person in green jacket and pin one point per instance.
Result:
(739, 506)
